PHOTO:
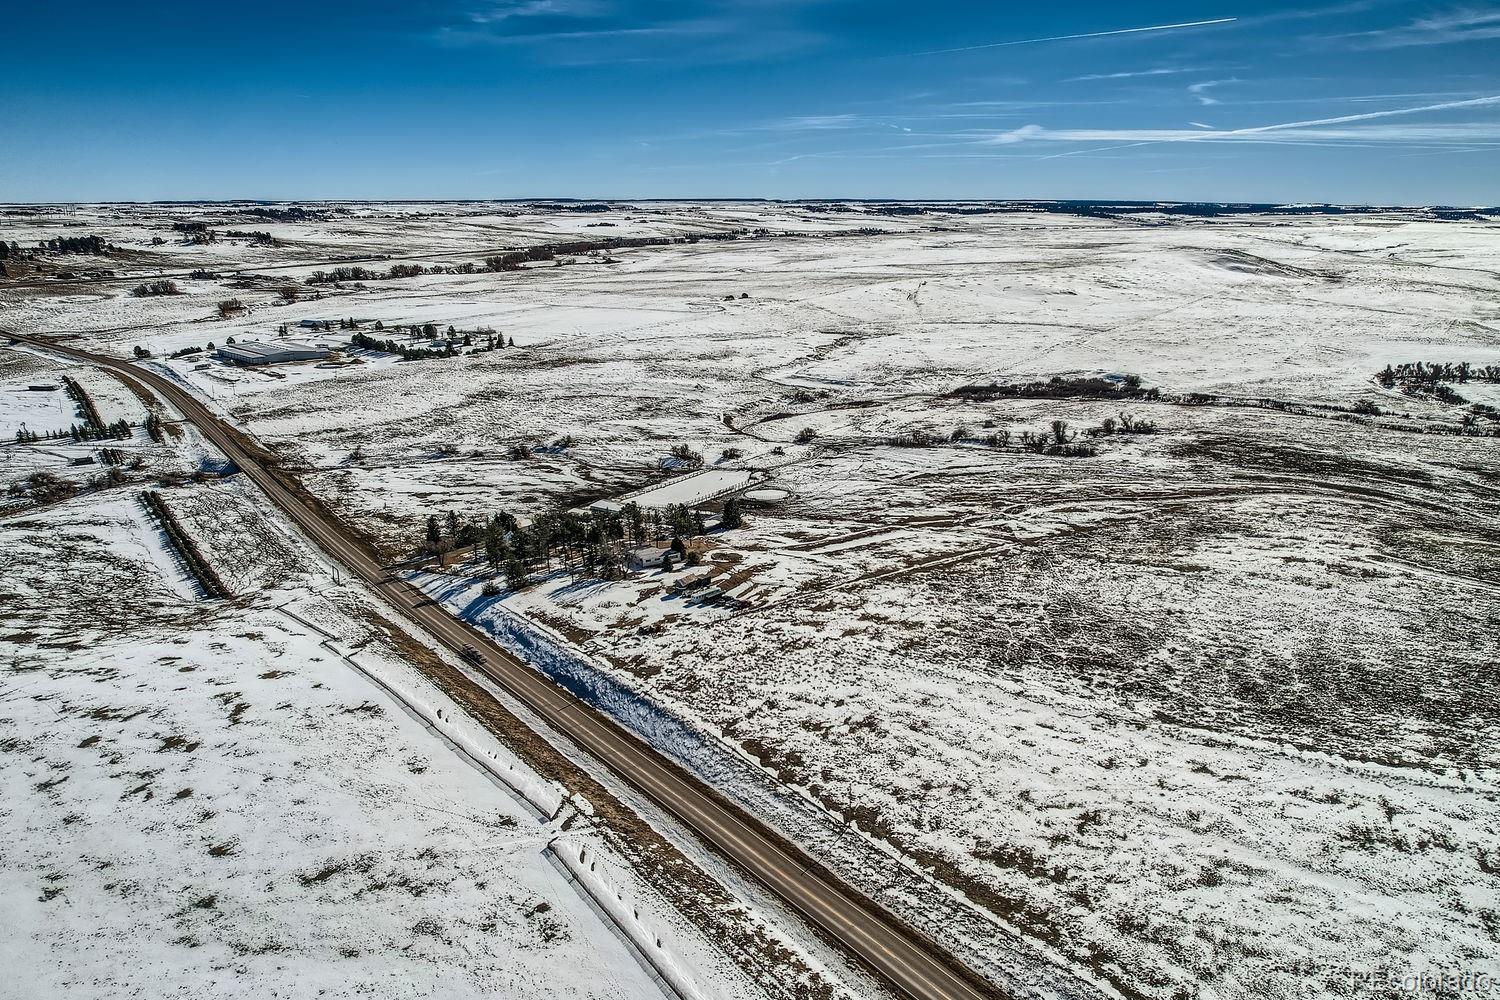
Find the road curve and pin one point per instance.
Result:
(905, 959)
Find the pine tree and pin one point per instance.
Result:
(515, 573)
(732, 517)
(434, 534)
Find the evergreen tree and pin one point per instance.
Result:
(515, 573)
(434, 534)
(732, 517)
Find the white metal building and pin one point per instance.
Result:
(252, 352)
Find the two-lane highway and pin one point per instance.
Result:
(901, 956)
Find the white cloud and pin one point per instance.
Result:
(1316, 130)
(1022, 134)
(1132, 74)
(1200, 90)
(496, 12)
(1461, 25)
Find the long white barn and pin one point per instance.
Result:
(256, 353)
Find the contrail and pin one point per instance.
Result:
(1091, 34)
(1477, 102)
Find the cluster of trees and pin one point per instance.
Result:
(44, 487)
(1057, 387)
(95, 246)
(255, 236)
(154, 427)
(1124, 424)
(452, 341)
(685, 457)
(591, 544)
(339, 275)
(183, 352)
(162, 286)
(195, 232)
(406, 351)
(119, 430)
(342, 274)
(1060, 441)
(230, 307)
(1430, 377)
(292, 214)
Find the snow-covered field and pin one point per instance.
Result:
(1209, 713)
(266, 797)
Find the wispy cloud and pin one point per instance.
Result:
(1200, 91)
(1316, 130)
(1133, 74)
(592, 32)
(495, 13)
(1088, 34)
(1462, 25)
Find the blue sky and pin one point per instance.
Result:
(1365, 101)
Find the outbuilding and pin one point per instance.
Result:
(252, 352)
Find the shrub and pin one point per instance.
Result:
(805, 435)
(162, 286)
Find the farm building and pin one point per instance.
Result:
(254, 353)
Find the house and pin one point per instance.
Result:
(690, 581)
(252, 352)
(649, 557)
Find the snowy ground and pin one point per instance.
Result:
(265, 797)
(1211, 713)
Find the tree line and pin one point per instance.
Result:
(90, 245)
(1426, 375)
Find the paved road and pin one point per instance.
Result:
(906, 960)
